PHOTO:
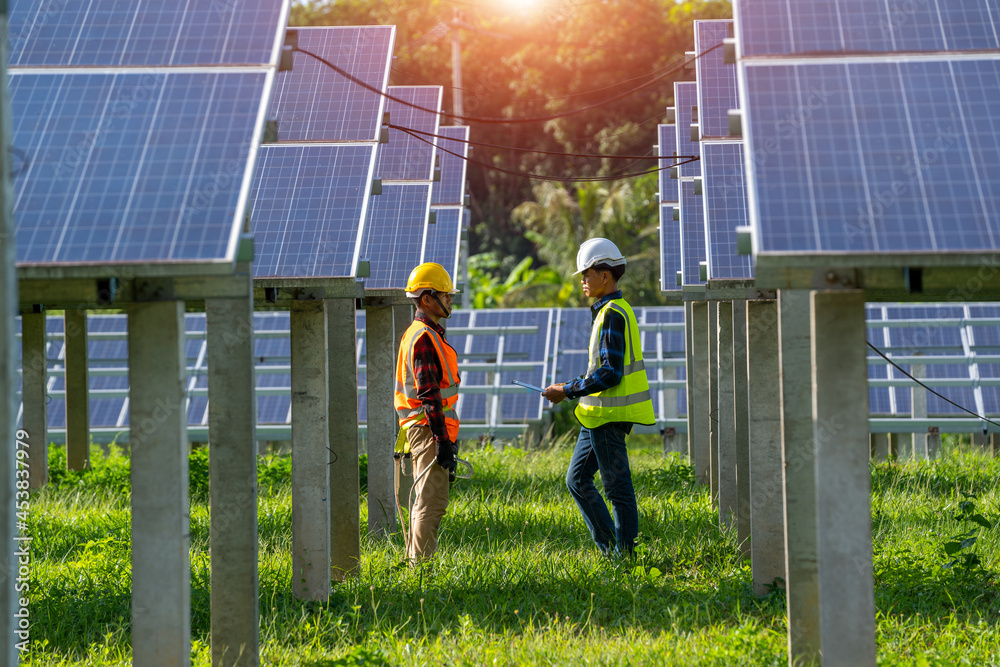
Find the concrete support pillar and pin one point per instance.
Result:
(843, 520)
(689, 367)
(310, 453)
(799, 457)
(767, 531)
(345, 487)
(161, 573)
(901, 445)
(698, 389)
(918, 410)
(881, 449)
(232, 472)
(742, 434)
(382, 422)
(933, 442)
(726, 417)
(34, 400)
(77, 385)
(713, 399)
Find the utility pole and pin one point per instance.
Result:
(457, 111)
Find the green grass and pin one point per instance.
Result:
(517, 580)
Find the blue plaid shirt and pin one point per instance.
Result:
(612, 352)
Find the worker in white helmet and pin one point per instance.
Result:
(613, 395)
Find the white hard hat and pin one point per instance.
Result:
(598, 251)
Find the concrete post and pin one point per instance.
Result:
(232, 472)
(9, 597)
(382, 422)
(161, 573)
(700, 439)
(843, 520)
(767, 531)
(726, 416)
(881, 446)
(901, 445)
(799, 457)
(345, 487)
(933, 442)
(689, 368)
(918, 409)
(77, 386)
(34, 401)
(742, 435)
(310, 453)
(713, 399)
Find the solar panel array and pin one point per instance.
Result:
(140, 127)
(871, 129)
(692, 228)
(670, 236)
(313, 187)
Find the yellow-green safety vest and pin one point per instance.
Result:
(629, 400)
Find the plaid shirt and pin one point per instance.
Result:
(427, 368)
(611, 346)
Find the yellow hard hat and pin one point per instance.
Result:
(429, 276)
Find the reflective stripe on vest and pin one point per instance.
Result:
(630, 400)
(408, 407)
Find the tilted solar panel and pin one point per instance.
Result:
(444, 239)
(145, 33)
(685, 101)
(410, 156)
(393, 239)
(308, 205)
(668, 147)
(775, 27)
(314, 103)
(725, 201)
(670, 248)
(692, 229)
(450, 190)
(716, 79)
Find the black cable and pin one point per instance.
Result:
(582, 179)
(535, 119)
(943, 398)
(532, 150)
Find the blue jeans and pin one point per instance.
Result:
(603, 448)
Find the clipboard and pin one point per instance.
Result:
(528, 386)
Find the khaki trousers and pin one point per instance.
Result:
(430, 495)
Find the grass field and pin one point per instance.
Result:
(517, 581)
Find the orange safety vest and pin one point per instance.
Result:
(408, 407)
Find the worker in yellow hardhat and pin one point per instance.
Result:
(426, 393)
(614, 395)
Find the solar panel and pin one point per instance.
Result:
(407, 157)
(314, 103)
(668, 148)
(394, 232)
(725, 201)
(896, 155)
(133, 167)
(716, 79)
(444, 239)
(144, 33)
(450, 190)
(685, 100)
(308, 204)
(692, 231)
(773, 27)
(670, 248)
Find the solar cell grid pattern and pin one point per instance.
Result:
(716, 79)
(144, 32)
(270, 350)
(307, 209)
(670, 249)
(777, 27)
(725, 201)
(394, 234)
(692, 228)
(131, 167)
(686, 97)
(885, 157)
(451, 188)
(315, 103)
(444, 238)
(407, 157)
(667, 135)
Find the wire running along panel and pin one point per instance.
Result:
(315, 103)
(308, 205)
(144, 33)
